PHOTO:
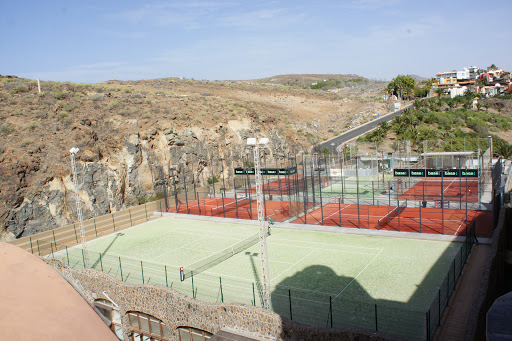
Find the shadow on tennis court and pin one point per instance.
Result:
(119, 234)
(317, 296)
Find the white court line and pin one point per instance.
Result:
(334, 214)
(465, 220)
(360, 272)
(451, 183)
(330, 244)
(215, 234)
(300, 260)
(324, 249)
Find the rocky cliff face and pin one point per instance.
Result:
(129, 176)
(131, 133)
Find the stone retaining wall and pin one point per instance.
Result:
(176, 310)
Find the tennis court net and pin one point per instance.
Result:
(208, 262)
(232, 206)
(384, 221)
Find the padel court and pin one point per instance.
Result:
(319, 278)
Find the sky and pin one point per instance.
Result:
(94, 41)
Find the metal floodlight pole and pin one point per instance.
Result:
(174, 188)
(261, 219)
(73, 152)
(223, 187)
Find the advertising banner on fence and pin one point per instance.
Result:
(437, 173)
(267, 171)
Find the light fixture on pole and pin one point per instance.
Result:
(251, 142)
(73, 152)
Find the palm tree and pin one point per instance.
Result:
(439, 92)
(504, 149)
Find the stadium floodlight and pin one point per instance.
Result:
(73, 152)
(261, 219)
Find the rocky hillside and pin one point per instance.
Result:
(131, 133)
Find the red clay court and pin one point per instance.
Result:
(283, 186)
(240, 208)
(454, 189)
(408, 219)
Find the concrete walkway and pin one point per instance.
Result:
(455, 320)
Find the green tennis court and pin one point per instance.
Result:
(319, 278)
(350, 189)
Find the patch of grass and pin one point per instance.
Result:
(32, 125)
(67, 121)
(6, 129)
(113, 105)
(59, 95)
(26, 142)
(68, 107)
(63, 115)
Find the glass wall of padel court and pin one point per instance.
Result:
(380, 192)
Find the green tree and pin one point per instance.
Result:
(504, 149)
(401, 86)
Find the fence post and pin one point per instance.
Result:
(376, 325)
(101, 263)
(193, 291)
(113, 222)
(221, 294)
(253, 295)
(166, 283)
(290, 300)
(51, 246)
(439, 305)
(330, 306)
(67, 254)
(161, 213)
(142, 271)
(54, 242)
(38, 249)
(83, 257)
(31, 248)
(121, 270)
(461, 262)
(130, 213)
(427, 322)
(454, 275)
(95, 230)
(448, 293)
(76, 236)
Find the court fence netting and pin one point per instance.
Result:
(301, 305)
(444, 192)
